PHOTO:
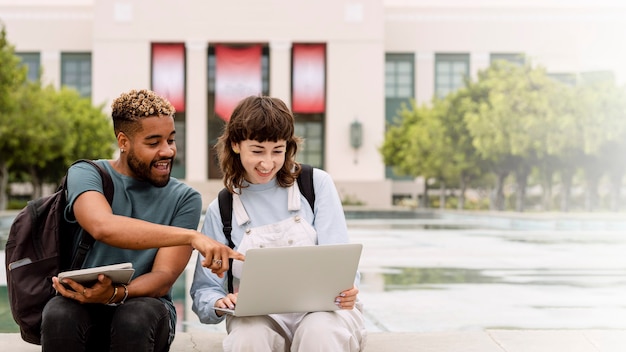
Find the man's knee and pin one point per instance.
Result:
(141, 322)
(140, 313)
(60, 309)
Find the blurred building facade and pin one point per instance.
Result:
(344, 67)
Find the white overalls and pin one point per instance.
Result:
(341, 330)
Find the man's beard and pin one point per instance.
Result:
(143, 171)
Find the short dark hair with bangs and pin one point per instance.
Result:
(261, 119)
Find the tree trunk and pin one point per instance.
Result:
(497, 201)
(4, 185)
(593, 173)
(424, 202)
(546, 186)
(591, 194)
(521, 179)
(442, 195)
(566, 190)
(616, 191)
(37, 184)
(493, 206)
(461, 204)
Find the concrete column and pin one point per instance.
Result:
(280, 70)
(424, 77)
(196, 129)
(51, 65)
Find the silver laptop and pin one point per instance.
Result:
(295, 279)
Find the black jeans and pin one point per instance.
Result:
(140, 324)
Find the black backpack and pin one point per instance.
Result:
(39, 246)
(225, 200)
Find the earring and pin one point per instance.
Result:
(236, 151)
(122, 150)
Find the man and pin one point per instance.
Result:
(151, 223)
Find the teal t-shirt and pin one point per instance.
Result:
(175, 204)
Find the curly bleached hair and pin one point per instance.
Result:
(131, 107)
(261, 119)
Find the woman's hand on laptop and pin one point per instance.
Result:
(227, 302)
(347, 298)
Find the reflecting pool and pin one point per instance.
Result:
(472, 273)
(430, 272)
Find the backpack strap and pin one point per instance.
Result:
(225, 200)
(86, 240)
(305, 183)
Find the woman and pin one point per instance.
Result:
(257, 156)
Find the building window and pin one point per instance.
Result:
(399, 75)
(32, 61)
(399, 91)
(514, 58)
(310, 127)
(308, 99)
(76, 72)
(597, 77)
(572, 79)
(451, 70)
(399, 83)
(569, 79)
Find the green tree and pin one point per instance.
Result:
(490, 124)
(513, 126)
(12, 76)
(603, 130)
(568, 141)
(60, 127)
(442, 151)
(408, 145)
(433, 142)
(541, 140)
(40, 133)
(43, 130)
(91, 130)
(462, 159)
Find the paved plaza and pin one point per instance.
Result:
(457, 282)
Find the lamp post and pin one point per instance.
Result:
(356, 136)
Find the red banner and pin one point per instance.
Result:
(168, 73)
(308, 88)
(237, 75)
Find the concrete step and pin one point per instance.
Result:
(491, 340)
